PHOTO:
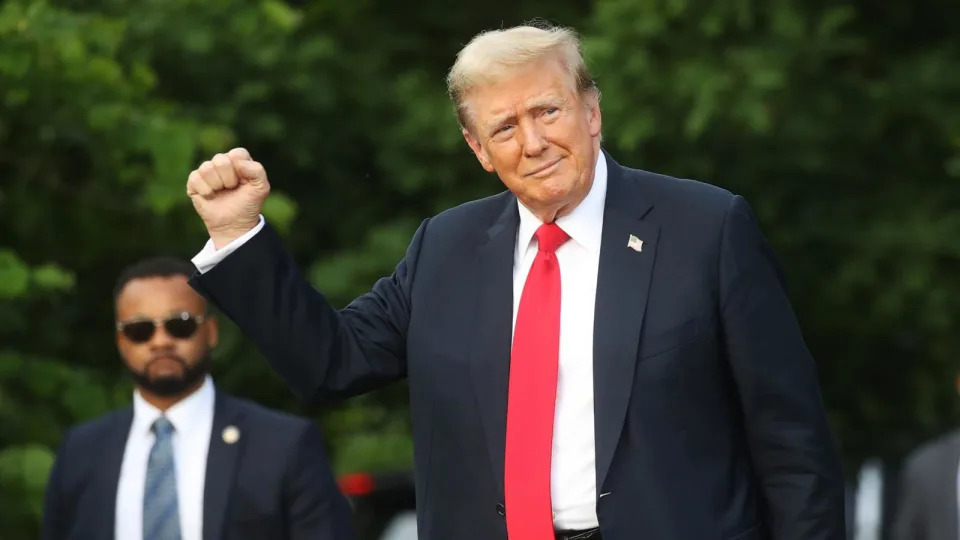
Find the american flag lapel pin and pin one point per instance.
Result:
(635, 243)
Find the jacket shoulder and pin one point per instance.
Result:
(685, 206)
(681, 193)
(94, 430)
(931, 451)
(471, 217)
(491, 206)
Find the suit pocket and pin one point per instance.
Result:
(655, 342)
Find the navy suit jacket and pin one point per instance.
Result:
(273, 482)
(708, 418)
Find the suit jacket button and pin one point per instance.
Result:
(501, 510)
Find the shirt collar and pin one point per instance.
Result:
(185, 415)
(584, 224)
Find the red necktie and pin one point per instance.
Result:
(532, 395)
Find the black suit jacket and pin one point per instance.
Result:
(273, 482)
(708, 419)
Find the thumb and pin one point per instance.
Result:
(251, 172)
(199, 202)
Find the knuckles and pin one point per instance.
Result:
(206, 176)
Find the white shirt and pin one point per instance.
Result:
(573, 475)
(192, 420)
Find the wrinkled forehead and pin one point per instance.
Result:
(506, 91)
(158, 297)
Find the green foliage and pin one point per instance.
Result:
(14, 275)
(839, 123)
(24, 469)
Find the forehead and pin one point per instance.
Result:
(525, 87)
(158, 296)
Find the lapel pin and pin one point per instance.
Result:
(231, 434)
(635, 243)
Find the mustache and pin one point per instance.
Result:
(166, 356)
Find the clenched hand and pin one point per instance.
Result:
(228, 193)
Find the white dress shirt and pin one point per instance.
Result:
(573, 477)
(192, 420)
(573, 474)
(209, 256)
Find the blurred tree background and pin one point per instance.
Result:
(840, 122)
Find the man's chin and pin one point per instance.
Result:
(165, 386)
(169, 385)
(172, 384)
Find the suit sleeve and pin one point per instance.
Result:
(322, 353)
(313, 505)
(54, 523)
(792, 449)
(908, 522)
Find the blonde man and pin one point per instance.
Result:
(597, 352)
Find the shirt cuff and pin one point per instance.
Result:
(209, 256)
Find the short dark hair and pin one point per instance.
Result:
(158, 266)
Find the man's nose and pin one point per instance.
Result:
(533, 140)
(161, 339)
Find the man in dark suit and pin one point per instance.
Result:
(668, 395)
(927, 500)
(187, 461)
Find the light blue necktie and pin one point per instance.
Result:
(161, 519)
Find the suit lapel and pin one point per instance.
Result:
(623, 281)
(221, 466)
(109, 474)
(490, 361)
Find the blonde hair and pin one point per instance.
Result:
(491, 55)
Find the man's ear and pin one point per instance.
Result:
(592, 102)
(213, 330)
(478, 150)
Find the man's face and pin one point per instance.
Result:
(170, 358)
(539, 134)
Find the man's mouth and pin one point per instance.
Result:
(544, 170)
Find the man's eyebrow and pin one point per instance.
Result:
(536, 103)
(543, 102)
(497, 121)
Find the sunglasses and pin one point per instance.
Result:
(179, 326)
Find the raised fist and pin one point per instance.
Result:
(228, 192)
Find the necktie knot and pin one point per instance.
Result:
(550, 237)
(162, 428)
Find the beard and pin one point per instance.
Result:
(167, 386)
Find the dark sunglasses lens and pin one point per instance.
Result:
(180, 328)
(138, 332)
